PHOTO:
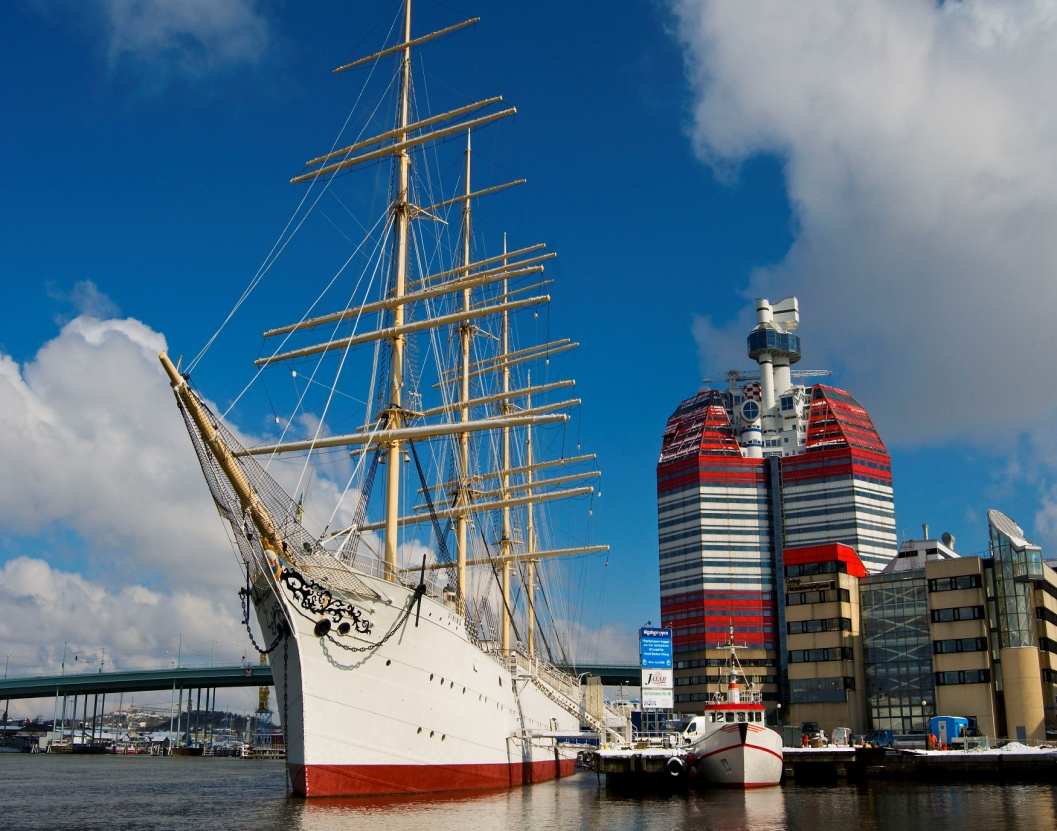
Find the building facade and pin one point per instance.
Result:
(746, 473)
(933, 634)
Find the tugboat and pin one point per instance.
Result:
(730, 744)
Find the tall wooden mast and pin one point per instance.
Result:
(401, 217)
(505, 541)
(462, 492)
(530, 539)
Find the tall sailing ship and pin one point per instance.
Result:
(408, 630)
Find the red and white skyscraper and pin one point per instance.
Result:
(744, 474)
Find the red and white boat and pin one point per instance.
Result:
(400, 667)
(731, 744)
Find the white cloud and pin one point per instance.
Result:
(191, 37)
(919, 143)
(86, 299)
(196, 35)
(92, 443)
(46, 608)
(110, 535)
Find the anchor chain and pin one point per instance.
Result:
(282, 627)
(392, 629)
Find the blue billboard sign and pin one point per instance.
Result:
(655, 648)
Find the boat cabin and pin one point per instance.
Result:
(721, 714)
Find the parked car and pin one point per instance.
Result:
(840, 736)
(813, 734)
(879, 738)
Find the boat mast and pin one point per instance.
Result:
(462, 487)
(530, 542)
(401, 214)
(504, 480)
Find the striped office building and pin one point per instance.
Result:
(745, 473)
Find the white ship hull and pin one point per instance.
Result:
(426, 711)
(740, 755)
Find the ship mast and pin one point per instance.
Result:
(462, 488)
(504, 480)
(396, 424)
(530, 542)
(401, 214)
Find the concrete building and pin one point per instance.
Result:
(746, 473)
(933, 634)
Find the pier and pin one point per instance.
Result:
(646, 767)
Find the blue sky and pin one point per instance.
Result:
(888, 163)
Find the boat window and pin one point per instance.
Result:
(741, 716)
(759, 716)
(730, 716)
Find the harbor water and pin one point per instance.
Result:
(116, 793)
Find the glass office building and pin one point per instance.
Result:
(897, 651)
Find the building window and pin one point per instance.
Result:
(820, 690)
(965, 676)
(802, 598)
(830, 624)
(962, 581)
(957, 613)
(1042, 613)
(815, 656)
(959, 645)
(809, 569)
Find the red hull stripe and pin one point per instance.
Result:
(746, 745)
(388, 780)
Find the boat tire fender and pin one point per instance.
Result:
(676, 767)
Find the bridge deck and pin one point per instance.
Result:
(240, 675)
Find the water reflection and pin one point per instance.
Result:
(571, 803)
(580, 803)
(108, 793)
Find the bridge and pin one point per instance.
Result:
(213, 677)
(136, 680)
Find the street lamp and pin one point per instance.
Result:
(778, 714)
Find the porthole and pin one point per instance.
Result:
(431, 734)
(388, 662)
(419, 730)
(443, 736)
(431, 676)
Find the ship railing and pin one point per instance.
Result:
(525, 667)
(745, 696)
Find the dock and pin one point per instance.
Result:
(641, 766)
(645, 767)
